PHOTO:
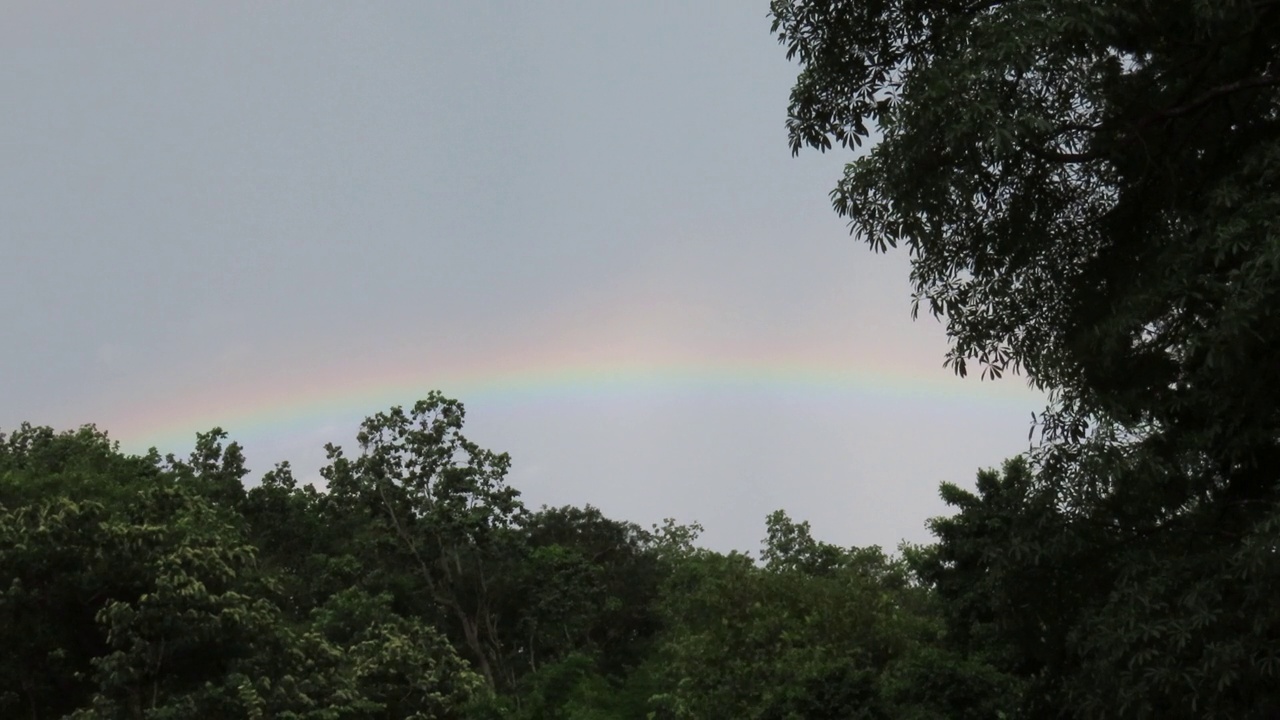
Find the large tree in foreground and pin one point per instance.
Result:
(1090, 193)
(1089, 190)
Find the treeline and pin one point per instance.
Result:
(418, 585)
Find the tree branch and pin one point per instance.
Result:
(1133, 132)
(1207, 97)
(1064, 157)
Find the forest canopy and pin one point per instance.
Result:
(418, 585)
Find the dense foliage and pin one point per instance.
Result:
(1090, 193)
(417, 585)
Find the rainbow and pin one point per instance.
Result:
(340, 397)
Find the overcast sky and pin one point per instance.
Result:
(582, 219)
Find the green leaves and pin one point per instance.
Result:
(147, 599)
(818, 631)
(1088, 191)
(439, 503)
(1025, 147)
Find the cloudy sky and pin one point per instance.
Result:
(582, 219)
